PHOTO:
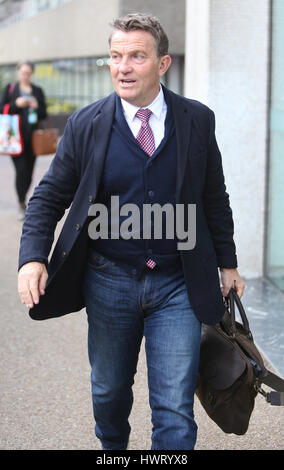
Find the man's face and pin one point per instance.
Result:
(135, 68)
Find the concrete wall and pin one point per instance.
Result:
(196, 83)
(75, 29)
(231, 76)
(238, 63)
(171, 13)
(80, 29)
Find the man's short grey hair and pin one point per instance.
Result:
(143, 22)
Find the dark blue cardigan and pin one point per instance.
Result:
(136, 178)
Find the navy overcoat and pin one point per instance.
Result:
(73, 180)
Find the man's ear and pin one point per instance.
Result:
(165, 62)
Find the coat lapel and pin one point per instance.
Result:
(183, 126)
(102, 124)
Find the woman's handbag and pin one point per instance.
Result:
(45, 141)
(231, 371)
(11, 141)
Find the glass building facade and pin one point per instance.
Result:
(70, 84)
(13, 11)
(275, 204)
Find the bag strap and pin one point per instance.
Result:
(275, 398)
(277, 383)
(11, 88)
(274, 381)
(6, 107)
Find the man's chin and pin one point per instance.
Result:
(127, 95)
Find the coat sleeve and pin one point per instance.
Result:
(217, 205)
(50, 199)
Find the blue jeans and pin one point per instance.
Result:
(120, 310)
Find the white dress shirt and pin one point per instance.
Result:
(157, 118)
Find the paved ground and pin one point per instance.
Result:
(45, 392)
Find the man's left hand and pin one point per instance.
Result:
(228, 278)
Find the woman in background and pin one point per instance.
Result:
(27, 100)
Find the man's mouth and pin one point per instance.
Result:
(127, 81)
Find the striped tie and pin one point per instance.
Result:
(146, 140)
(145, 136)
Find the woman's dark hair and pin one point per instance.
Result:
(26, 62)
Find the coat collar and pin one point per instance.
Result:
(102, 124)
(183, 124)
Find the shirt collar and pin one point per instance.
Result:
(156, 106)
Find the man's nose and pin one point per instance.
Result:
(125, 65)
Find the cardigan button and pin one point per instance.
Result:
(78, 226)
(91, 198)
(64, 254)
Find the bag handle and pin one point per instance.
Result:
(44, 124)
(6, 107)
(231, 299)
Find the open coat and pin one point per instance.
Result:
(73, 179)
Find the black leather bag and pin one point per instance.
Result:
(231, 371)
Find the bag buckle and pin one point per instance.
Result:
(258, 389)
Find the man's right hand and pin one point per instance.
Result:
(32, 279)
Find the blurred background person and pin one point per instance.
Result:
(27, 100)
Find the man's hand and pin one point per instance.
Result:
(31, 282)
(228, 278)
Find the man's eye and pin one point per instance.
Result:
(138, 56)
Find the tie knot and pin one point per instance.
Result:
(144, 114)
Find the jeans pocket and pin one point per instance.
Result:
(98, 261)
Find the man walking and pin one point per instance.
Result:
(141, 146)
